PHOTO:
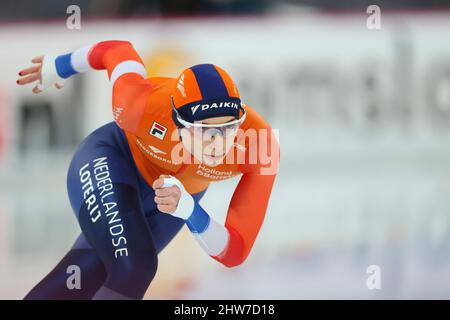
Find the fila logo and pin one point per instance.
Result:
(156, 150)
(158, 130)
(180, 86)
(214, 105)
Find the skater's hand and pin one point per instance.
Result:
(34, 73)
(31, 74)
(166, 198)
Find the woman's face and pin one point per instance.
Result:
(209, 145)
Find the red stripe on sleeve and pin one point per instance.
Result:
(233, 254)
(98, 51)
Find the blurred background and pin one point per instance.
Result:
(364, 126)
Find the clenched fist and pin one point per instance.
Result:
(166, 198)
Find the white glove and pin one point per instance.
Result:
(186, 203)
(49, 76)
